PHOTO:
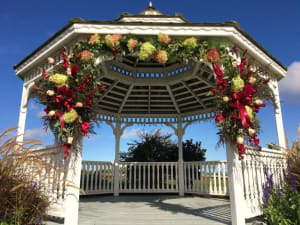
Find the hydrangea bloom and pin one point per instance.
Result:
(59, 79)
(71, 116)
(147, 50)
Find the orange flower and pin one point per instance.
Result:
(213, 55)
(164, 39)
(85, 55)
(94, 39)
(161, 57)
(113, 41)
(132, 43)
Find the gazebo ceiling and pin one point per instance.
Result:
(173, 90)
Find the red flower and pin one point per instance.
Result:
(213, 55)
(74, 68)
(65, 58)
(219, 117)
(44, 75)
(47, 110)
(84, 128)
(102, 87)
(82, 86)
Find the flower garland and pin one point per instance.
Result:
(70, 89)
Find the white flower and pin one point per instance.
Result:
(240, 140)
(78, 105)
(51, 60)
(251, 131)
(69, 140)
(51, 113)
(50, 92)
(225, 98)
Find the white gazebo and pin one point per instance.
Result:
(149, 93)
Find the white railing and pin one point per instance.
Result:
(147, 177)
(53, 177)
(97, 177)
(253, 166)
(206, 177)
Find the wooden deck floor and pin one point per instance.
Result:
(152, 210)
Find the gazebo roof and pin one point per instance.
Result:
(151, 90)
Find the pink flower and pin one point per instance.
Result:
(161, 57)
(69, 71)
(132, 43)
(94, 39)
(85, 55)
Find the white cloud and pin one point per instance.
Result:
(36, 132)
(133, 133)
(290, 84)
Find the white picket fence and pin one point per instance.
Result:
(207, 178)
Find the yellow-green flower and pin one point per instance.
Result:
(113, 40)
(71, 116)
(164, 39)
(250, 112)
(190, 42)
(59, 79)
(237, 83)
(147, 50)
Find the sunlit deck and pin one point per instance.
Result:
(152, 210)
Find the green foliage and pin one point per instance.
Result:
(160, 148)
(283, 208)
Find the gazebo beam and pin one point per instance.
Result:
(193, 94)
(125, 98)
(173, 99)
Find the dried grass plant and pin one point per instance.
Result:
(23, 198)
(293, 155)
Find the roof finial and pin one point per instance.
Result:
(150, 4)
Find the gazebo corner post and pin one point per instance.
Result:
(180, 157)
(117, 132)
(236, 189)
(23, 113)
(278, 117)
(71, 202)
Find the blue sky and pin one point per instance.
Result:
(25, 25)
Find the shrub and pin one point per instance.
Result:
(22, 201)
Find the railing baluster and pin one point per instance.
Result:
(134, 178)
(219, 179)
(130, 176)
(215, 179)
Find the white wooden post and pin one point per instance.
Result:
(180, 157)
(117, 133)
(235, 177)
(23, 113)
(278, 116)
(73, 175)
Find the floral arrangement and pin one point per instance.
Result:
(239, 93)
(70, 88)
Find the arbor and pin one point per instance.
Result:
(160, 148)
